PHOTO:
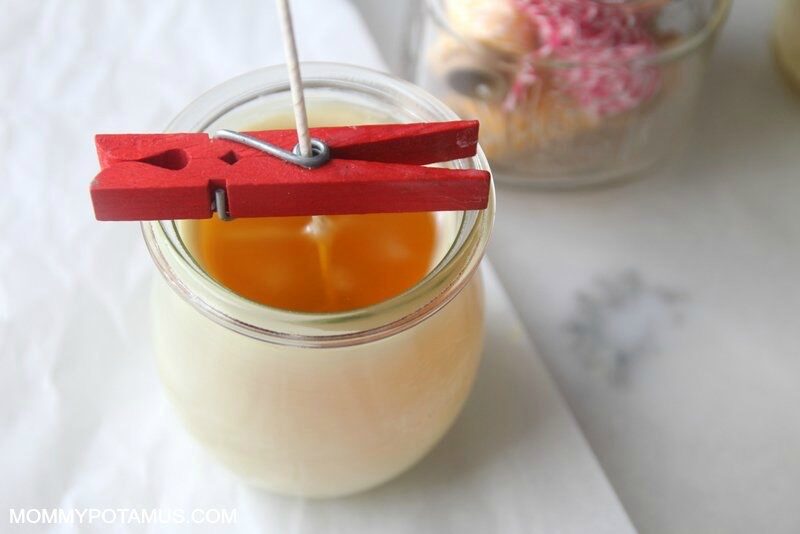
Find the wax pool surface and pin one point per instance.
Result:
(318, 264)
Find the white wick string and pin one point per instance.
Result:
(295, 81)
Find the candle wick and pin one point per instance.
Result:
(295, 80)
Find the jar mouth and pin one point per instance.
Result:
(685, 45)
(361, 325)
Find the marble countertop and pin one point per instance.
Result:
(668, 309)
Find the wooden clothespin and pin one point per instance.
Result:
(356, 169)
(367, 169)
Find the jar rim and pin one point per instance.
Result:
(336, 329)
(667, 54)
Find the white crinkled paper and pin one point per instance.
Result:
(83, 422)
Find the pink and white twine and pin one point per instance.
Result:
(600, 42)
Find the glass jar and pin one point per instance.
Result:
(322, 404)
(585, 117)
(787, 40)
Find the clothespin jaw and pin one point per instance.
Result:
(373, 169)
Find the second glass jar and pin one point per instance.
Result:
(588, 116)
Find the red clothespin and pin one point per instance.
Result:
(372, 169)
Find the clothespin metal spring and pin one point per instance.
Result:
(320, 154)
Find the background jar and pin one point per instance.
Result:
(787, 40)
(550, 133)
(318, 404)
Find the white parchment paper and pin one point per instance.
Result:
(83, 423)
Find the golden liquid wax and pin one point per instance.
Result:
(322, 263)
(306, 264)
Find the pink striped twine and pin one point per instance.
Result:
(602, 39)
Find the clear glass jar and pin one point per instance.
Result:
(319, 404)
(562, 123)
(787, 40)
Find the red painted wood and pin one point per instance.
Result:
(374, 169)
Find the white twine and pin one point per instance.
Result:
(295, 80)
